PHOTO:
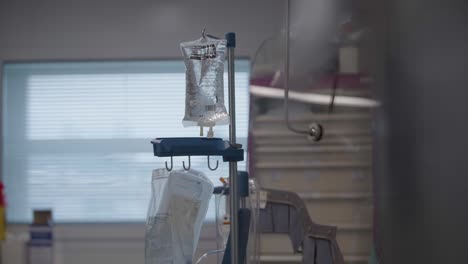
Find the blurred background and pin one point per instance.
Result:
(85, 86)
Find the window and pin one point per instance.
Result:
(76, 136)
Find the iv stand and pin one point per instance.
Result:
(233, 197)
(231, 152)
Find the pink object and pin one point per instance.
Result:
(345, 81)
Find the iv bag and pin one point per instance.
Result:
(204, 99)
(178, 206)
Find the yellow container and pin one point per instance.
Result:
(2, 224)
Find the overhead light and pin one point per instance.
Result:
(313, 98)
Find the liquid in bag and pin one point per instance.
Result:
(204, 99)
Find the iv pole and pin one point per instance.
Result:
(233, 197)
(231, 152)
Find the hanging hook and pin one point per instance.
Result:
(172, 165)
(203, 33)
(209, 167)
(183, 164)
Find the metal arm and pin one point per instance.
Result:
(315, 130)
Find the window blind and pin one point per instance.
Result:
(76, 136)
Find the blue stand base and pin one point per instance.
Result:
(244, 226)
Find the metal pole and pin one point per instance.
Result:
(242, 203)
(233, 197)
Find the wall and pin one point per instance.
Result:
(121, 30)
(125, 29)
(422, 164)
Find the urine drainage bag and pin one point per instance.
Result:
(178, 206)
(204, 99)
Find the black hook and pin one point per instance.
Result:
(209, 167)
(167, 168)
(183, 164)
